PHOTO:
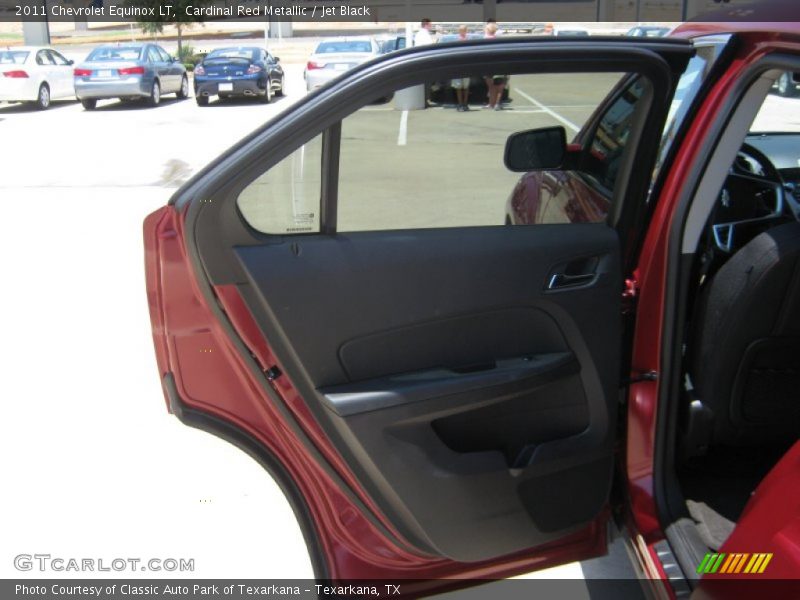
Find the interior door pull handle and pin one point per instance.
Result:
(562, 280)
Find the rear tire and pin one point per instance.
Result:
(155, 95)
(88, 103)
(183, 92)
(201, 100)
(267, 97)
(43, 97)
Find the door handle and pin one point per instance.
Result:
(562, 280)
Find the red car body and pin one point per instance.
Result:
(218, 387)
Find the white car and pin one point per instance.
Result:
(35, 74)
(334, 56)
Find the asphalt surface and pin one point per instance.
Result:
(93, 460)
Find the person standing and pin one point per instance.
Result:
(495, 84)
(424, 36)
(461, 84)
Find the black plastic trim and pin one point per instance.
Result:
(504, 377)
(329, 194)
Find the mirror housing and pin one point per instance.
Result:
(536, 149)
(176, 59)
(277, 59)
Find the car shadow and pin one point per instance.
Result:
(24, 107)
(133, 105)
(242, 101)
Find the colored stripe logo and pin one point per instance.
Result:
(731, 563)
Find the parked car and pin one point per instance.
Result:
(570, 32)
(788, 84)
(129, 72)
(390, 43)
(335, 56)
(34, 74)
(239, 71)
(441, 402)
(647, 31)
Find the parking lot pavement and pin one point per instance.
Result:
(127, 144)
(106, 472)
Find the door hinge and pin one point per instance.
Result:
(639, 377)
(273, 373)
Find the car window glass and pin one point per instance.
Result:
(57, 58)
(13, 57)
(43, 58)
(443, 167)
(686, 91)
(608, 143)
(286, 198)
(346, 46)
(114, 53)
(165, 57)
(153, 55)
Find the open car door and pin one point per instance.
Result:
(436, 393)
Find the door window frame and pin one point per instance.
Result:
(220, 223)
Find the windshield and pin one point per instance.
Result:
(356, 46)
(13, 57)
(116, 53)
(687, 89)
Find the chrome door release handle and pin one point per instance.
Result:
(562, 280)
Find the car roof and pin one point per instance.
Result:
(351, 38)
(698, 29)
(23, 48)
(248, 48)
(763, 16)
(124, 45)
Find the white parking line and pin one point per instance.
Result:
(548, 110)
(402, 135)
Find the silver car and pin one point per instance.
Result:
(128, 72)
(334, 56)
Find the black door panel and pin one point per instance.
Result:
(468, 377)
(359, 306)
(452, 375)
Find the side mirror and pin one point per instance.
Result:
(176, 59)
(277, 59)
(536, 149)
(70, 62)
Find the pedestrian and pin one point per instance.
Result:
(424, 36)
(495, 84)
(461, 84)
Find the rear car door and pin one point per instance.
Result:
(339, 296)
(46, 69)
(160, 68)
(62, 76)
(174, 69)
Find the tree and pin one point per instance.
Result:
(155, 23)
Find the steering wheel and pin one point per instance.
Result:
(748, 157)
(752, 172)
